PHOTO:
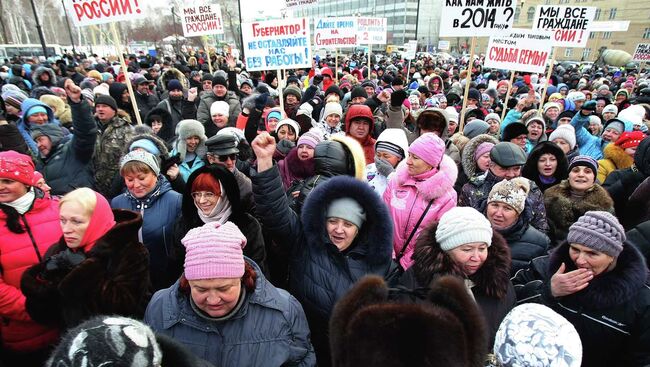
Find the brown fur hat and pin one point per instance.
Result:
(367, 329)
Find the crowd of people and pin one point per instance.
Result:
(330, 216)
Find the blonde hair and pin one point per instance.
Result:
(84, 196)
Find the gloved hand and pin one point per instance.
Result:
(383, 167)
(260, 101)
(317, 79)
(65, 260)
(397, 98)
(588, 108)
(262, 89)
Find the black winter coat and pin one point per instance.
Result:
(113, 279)
(611, 315)
(69, 165)
(639, 236)
(146, 103)
(525, 241)
(492, 288)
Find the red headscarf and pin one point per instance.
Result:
(101, 221)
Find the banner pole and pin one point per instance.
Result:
(118, 48)
(280, 81)
(505, 102)
(336, 65)
(369, 52)
(548, 79)
(468, 80)
(207, 54)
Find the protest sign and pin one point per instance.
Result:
(89, 12)
(335, 32)
(298, 3)
(202, 20)
(411, 50)
(476, 17)
(642, 52)
(372, 31)
(570, 24)
(277, 44)
(443, 45)
(520, 50)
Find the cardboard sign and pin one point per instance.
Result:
(89, 12)
(642, 52)
(335, 32)
(298, 3)
(277, 44)
(570, 24)
(520, 50)
(411, 50)
(476, 17)
(372, 31)
(443, 45)
(201, 20)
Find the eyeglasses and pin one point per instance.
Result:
(204, 194)
(224, 158)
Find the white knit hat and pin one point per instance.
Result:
(566, 132)
(294, 125)
(461, 225)
(219, 108)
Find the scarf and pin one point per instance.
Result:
(221, 212)
(23, 203)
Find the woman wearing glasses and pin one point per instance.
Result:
(212, 195)
(149, 193)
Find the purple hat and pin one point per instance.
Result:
(310, 138)
(482, 149)
(430, 148)
(599, 231)
(584, 160)
(214, 251)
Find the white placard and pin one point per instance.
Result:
(476, 17)
(89, 12)
(277, 44)
(570, 24)
(299, 3)
(200, 20)
(642, 52)
(443, 45)
(411, 49)
(519, 50)
(372, 31)
(335, 32)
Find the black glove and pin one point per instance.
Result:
(317, 79)
(65, 260)
(262, 89)
(260, 101)
(588, 108)
(167, 163)
(397, 98)
(383, 167)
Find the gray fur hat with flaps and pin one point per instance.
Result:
(446, 329)
(186, 129)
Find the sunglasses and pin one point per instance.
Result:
(224, 158)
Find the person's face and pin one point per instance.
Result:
(227, 161)
(341, 232)
(436, 84)
(370, 91)
(486, 103)
(197, 78)
(74, 221)
(246, 89)
(44, 145)
(205, 201)
(520, 141)
(291, 100)
(593, 128)
(581, 178)
(416, 166)
(620, 97)
(305, 152)
(215, 297)
(483, 162)
(611, 134)
(552, 113)
(390, 158)
(143, 88)
(156, 126)
(494, 126)
(600, 104)
(563, 92)
(274, 83)
(39, 118)
(140, 184)
(359, 128)
(192, 143)
(535, 130)
(505, 172)
(451, 128)
(503, 89)
(219, 90)
(176, 94)
(547, 164)
(630, 151)
(470, 256)
(41, 184)
(104, 112)
(579, 104)
(358, 100)
(442, 105)
(608, 115)
(13, 111)
(472, 102)
(563, 144)
(586, 258)
(501, 215)
(207, 85)
(333, 120)
(273, 122)
(220, 120)
(11, 190)
(564, 121)
(125, 96)
(154, 73)
(45, 77)
(286, 132)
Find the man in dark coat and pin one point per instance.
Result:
(145, 99)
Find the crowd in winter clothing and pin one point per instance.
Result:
(333, 216)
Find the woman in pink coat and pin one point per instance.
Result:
(420, 192)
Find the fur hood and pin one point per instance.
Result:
(170, 74)
(492, 279)
(356, 157)
(375, 235)
(40, 71)
(609, 289)
(368, 328)
(435, 186)
(467, 160)
(617, 155)
(561, 208)
(441, 85)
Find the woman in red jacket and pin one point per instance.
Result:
(29, 224)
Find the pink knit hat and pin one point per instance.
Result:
(483, 148)
(17, 167)
(430, 148)
(214, 251)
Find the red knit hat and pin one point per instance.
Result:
(17, 167)
(630, 139)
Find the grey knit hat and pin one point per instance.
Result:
(599, 231)
(348, 209)
(141, 156)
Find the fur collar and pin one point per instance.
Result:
(492, 279)
(618, 156)
(375, 237)
(564, 209)
(609, 289)
(435, 186)
(467, 160)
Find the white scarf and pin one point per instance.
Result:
(221, 212)
(23, 203)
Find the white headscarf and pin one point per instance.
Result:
(221, 212)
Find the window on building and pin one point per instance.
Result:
(517, 13)
(597, 17)
(607, 35)
(531, 13)
(646, 33)
(612, 13)
(568, 52)
(592, 35)
(585, 53)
